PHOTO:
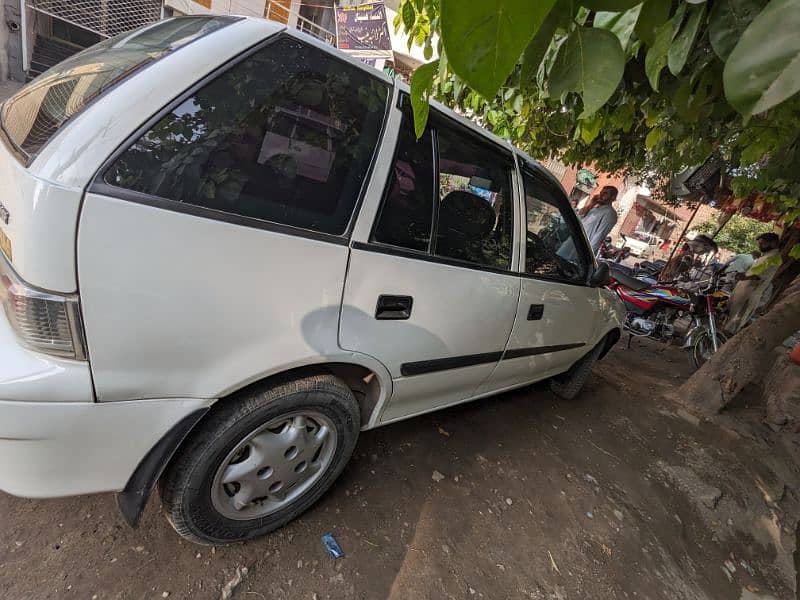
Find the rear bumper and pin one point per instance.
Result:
(51, 449)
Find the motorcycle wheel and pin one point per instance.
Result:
(703, 349)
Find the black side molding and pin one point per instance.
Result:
(520, 352)
(133, 498)
(424, 367)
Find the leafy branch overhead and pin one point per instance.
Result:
(650, 87)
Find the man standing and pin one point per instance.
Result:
(751, 286)
(598, 218)
(740, 263)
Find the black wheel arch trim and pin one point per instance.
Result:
(133, 498)
(610, 339)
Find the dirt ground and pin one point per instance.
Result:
(614, 495)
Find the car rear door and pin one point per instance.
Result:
(431, 290)
(558, 312)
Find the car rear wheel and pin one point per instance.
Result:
(260, 459)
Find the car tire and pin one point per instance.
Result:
(568, 385)
(210, 490)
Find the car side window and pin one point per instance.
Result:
(407, 212)
(286, 135)
(551, 248)
(475, 210)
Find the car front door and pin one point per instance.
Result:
(431, 291)
(557, 313)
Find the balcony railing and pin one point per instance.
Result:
(277, 11)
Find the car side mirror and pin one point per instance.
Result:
(601, 276)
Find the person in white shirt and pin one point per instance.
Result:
(740, 263)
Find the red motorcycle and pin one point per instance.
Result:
(653, 308)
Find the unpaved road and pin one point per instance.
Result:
(609, 496)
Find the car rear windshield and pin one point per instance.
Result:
(34, 115)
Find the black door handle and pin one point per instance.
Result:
(535, 312)
(393, 308)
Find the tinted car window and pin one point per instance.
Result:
(287, 136)
(35, 113)
(550, 243)
(475, 215)
(407, 212)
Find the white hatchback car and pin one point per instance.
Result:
(225, 253)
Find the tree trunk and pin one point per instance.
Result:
(742, 360)
(790, 268)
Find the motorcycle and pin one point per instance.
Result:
(609, 251)
(654, 309)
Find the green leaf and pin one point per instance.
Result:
(772, 261)
(613, 5)
(427, 52)
(656, 58)
(495, 117)
(620, 24)
(590, 128)
(727, 23)
(653, 14)
(764, 68)
(421, 84)
(590, 62)
(409, 15)
(683, 42)
(654, 136)
(483, 40)
(795, 252)
(536, 49)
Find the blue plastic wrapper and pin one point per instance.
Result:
(332, 546)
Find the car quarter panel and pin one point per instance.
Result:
(177, 305)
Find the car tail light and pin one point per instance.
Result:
(43, 321)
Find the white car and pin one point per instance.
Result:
(642, 243)
(180, 309)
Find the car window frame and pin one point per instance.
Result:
(99, 185)
(557, 198)
(436, 119)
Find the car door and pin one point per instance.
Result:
(432, 292)
(557, 313)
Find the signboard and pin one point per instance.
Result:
(362, 31)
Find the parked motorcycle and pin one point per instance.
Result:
(609, 252)
(653, 309)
